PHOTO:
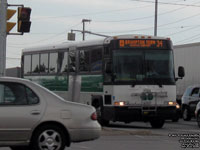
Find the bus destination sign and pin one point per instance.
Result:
(140, 43)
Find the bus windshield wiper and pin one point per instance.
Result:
(156, 81)
(133, 84)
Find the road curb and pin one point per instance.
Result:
(106, 131)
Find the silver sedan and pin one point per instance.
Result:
(32, 117)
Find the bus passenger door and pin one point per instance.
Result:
(74, 81)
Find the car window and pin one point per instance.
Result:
(32, 97)
(187, 92)
(195, 92)
(12, 93)
(16, 94)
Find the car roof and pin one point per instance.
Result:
(13, 79)
(5, 78)
(193, 86)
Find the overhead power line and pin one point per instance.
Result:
(189, 39)
(146, 17)
(141, 18)
(162, 25)
(167, 3)
(51, 37)
(191, 28)
(92, 13)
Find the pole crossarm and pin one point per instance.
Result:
(15, 33)
(15, 5)
(89, 32)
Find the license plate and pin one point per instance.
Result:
(146, 103)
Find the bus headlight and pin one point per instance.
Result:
(178, 106)
(119, 103)
(170, 103)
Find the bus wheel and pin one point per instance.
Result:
(157, 123)
(102, 121)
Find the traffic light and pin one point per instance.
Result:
(24, 23)
(10, 25)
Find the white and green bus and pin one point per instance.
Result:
(126, 78)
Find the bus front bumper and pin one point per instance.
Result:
(130, 113)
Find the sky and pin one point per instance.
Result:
(52, 20)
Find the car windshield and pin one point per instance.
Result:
(143, 66)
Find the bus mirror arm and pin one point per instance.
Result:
(177, 78)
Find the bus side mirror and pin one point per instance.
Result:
(181, 71)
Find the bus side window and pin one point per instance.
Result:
(35, 63)
(27, 64)
(96, 60)
(44, 63)
(72, 61)
(53, 63)
(84, 61)
(62, 62)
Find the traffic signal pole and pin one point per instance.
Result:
(3, 19)
(156, 18)
(83, 21)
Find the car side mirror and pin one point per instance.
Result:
(181, 71)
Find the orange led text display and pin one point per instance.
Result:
(141, 43)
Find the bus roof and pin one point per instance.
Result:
(102, 41)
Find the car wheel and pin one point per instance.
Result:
(186, 114)
(49, 137)
(198, 119)
(19, 148)
(157, 123)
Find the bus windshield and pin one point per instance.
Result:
(143, 66)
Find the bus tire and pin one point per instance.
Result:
(97, 103)
(100, 119)
(158, 123)
(104, 122)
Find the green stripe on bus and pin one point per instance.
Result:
(53, 83)
(92, 83)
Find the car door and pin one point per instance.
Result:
(194, 98)
(20, 110)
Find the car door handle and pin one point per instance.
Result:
(35, 112)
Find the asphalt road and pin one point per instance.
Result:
(140, 136)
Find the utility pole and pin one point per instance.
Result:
(83, 21)
(156, 15)
(3, 34)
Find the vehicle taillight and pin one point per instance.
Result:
(94, 116)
